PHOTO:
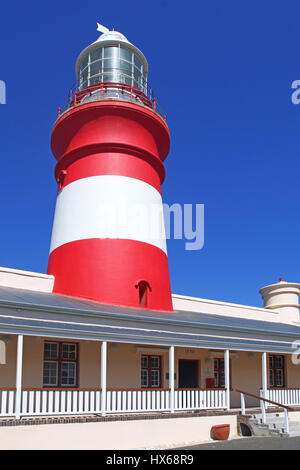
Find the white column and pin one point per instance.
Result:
(243, 406)
(103, 376)
(171, 377)
(227, 378)
(264, 378)
(19, 376)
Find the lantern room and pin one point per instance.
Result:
(112, 59)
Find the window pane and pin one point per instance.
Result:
(278, 362)
(69, 351)
(125, 54)
(222, 379)
(107, 77)
(271, 378)
(96, 54)
(50, 350)
(84, 63)
(68, 373)
(279, 378)
(144, 378)
(137, 62)
(126, 66)
(144, 362)
(84, 75)
(154, 361)
(126, 79)
(95, 68)
(111, 64)
(111, 52)
(216, 377)
(155, 378)
(95, 79)
(50, 373)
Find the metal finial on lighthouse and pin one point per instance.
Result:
(102, 28)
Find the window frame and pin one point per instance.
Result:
(220, 371)
(149, 370)
(274, 369)
(59, 361)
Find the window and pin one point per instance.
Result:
(111, 64)
(219, 375)
(276, 371)
(150, 371)
(143, 290)
(60, 364)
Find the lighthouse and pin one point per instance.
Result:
(110, 143)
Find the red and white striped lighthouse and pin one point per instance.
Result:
(110, 144)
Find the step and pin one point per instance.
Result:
(278, 424)
(291, 429)
(269, 415)
(293, 433)
(274, 425)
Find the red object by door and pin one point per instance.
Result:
(210, 382)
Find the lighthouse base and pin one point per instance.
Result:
(110, 270)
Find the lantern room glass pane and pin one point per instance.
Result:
(137, 62)
(112, 63)
(111, 52)
(126, 54)
(126, 66)
(95, 68)
(96, 54)
(84, 63)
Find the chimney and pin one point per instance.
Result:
(283, 297)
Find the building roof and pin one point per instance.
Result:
(58, 315)
(22, 298)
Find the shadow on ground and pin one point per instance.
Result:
(250, 443)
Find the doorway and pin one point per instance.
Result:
(188, 373)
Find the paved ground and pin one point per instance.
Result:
(251, 443)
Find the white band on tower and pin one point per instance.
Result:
(109, 206)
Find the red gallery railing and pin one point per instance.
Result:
(136, 92)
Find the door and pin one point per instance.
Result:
(188, 374)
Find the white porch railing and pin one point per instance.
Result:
(286, 396)
(7, 402)
(57, 402)
(38, 402)
(193, 399)
(137, 400)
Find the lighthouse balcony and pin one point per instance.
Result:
(112, 85)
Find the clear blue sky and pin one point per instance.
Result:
(222, 72)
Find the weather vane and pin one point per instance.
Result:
(102, 28)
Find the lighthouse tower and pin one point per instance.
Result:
(108, 241)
